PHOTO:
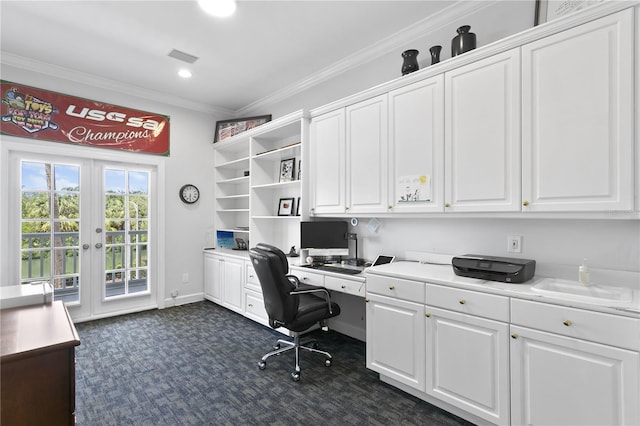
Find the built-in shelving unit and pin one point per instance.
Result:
(249, 185)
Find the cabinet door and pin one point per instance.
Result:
(233, 284)
(482, 135)
(558, 380)
(395, 339)
(467, 363)
(578, 118)
(212, 277)
(328, 163)
(367, 155)
(416, 147)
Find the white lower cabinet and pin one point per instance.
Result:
(505, 361)
(395, 339)
(560, 378)
(467, 363)
(223, 281)
(396, 329)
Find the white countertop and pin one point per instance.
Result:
(444, 275)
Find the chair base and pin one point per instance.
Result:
(310, 346)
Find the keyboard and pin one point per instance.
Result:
(350, 271)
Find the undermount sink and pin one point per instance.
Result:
(573, 290)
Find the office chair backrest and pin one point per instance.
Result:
(280, 305)
(275, 250)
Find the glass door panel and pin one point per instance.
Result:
(126, 224)
(50, 227)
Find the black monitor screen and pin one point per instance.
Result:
(324, 238)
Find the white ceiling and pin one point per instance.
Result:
(265, 47)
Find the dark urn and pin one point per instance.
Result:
(463, 42)
(410, 63)
(435, 54)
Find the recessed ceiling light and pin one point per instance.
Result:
(220, 8)
(184, 73)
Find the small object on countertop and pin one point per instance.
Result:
(293, 252)
(583, 273)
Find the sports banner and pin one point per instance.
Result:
(34, 113)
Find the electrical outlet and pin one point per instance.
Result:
(174, 293)
(514, 243)
(185, 277)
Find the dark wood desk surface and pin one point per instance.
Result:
(35, 328)
(37, 363)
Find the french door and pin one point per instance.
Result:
(88, 228)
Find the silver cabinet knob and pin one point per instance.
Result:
(86, 246)
(98, 245)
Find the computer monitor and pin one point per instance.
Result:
(324, 238)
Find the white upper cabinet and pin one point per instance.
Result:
(482, 135)
(416, 147)
(328, 163)
(578, 118)
(367, 152)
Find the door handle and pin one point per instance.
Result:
(98, 245)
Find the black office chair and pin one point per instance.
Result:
(289, 303)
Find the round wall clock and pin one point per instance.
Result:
(189, 193)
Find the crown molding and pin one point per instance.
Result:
(399, 40)
(63, 73)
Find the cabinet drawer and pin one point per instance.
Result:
(310, 278)
(356, 288)
(578, 323)
(396, 287)
(468, 302)
(254, 307)
(252, 283)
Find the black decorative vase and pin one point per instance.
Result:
(410, 63)
(463, 42)
(435, 54)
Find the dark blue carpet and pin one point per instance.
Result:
(197, 365)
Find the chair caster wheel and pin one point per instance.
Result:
(262, 365)
(327, 363)
(295, 376)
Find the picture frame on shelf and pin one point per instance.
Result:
(287, 170)
(548, 10)
(299, 177)
(228, 128)
(298, 207)
(285, 207)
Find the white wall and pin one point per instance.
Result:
(612, 247)
(493, 22)
(190, 161)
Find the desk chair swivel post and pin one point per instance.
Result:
(289, 303)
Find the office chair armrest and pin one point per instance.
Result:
(293, 279)
(305, 289)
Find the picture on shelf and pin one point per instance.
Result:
(298, 207)
(299, 169)
(285, 207)
(227, 128)
(287, 169)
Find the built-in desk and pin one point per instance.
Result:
(37, 353)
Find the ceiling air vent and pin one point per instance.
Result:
(184, 57)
